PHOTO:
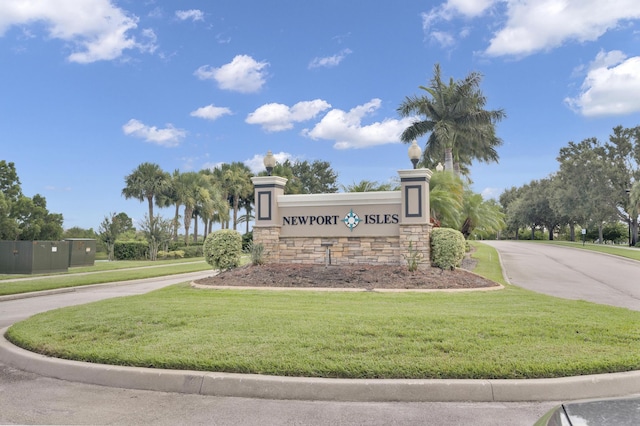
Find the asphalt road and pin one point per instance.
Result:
(571, 273)
(26, 398)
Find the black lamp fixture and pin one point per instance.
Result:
(269, 162)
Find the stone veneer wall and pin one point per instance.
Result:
(269, 237)
(344, 250)
(351, 250)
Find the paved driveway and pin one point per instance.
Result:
(571, 273)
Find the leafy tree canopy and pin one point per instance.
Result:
(21, 217)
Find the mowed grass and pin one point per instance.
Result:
(99, 274)
(510, 333)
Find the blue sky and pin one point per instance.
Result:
(89, 89)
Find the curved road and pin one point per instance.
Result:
(571, 273)
(27, 398)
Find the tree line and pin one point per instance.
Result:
(22, 217)
(597, 185)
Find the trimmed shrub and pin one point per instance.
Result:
(130, 250)
(171, 254)
(447, 248)
(223, 248)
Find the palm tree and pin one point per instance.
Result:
(192, 192)
(168, 198)
(446, 199)
(453, 115)
(147, 181)
(367, 186)
(236, 180)
(216, 206)
(480, 214)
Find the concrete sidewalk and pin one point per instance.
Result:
(300, 388)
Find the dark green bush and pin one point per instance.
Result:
(223, 248)
(448, 248)
(247, 241)
(193, 251)
(130, 250)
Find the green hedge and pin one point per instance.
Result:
(130, 250)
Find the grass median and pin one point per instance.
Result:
(99, 274)
(511, 333)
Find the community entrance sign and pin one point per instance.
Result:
(357, 227)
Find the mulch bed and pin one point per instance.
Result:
(346, 276)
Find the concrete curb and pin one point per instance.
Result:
(301, 388)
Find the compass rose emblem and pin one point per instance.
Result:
(351, 220)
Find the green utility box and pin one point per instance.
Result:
(33, 257)
(82, 251)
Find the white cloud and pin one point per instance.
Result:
(330, 61)
(193, 14)
(256, 164)
(211, 112)
(96, 29)
(446, 12)
(169, 136)
(530, 26)
(539, 25)
(243, 74)
(278, 117)
(611, 87)
(346, 128)
(491, 193)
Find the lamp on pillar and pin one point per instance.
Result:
(414, 153)
(439, 167)
(269, 162)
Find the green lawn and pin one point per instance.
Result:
(511, 333)
(100, 273)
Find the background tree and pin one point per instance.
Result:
(513, 222)
(146, 182)
(156, 231)
(480, 214)
(623, 151)
(78, 232)
(368, 186)
(108, 232)
(192, 193)
(237, 182)
(307, 178)
(21, 217)
(582, 189)
(456, 120)
(169, 197)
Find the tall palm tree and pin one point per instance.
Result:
(453, 115)
(191, 192)
(236, 181)
(168, 198)
(146, 182)
(216, 206)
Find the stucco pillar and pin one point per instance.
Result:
(266, 228)
(415, 218)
